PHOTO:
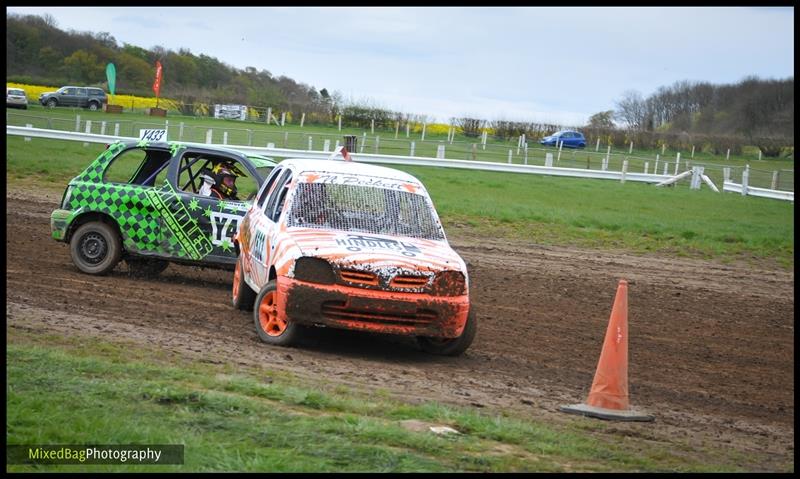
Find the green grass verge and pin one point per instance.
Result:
(633, 217)
(67, 390)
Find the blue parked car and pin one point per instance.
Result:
(571, 139)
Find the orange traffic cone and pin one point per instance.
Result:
(608, 398)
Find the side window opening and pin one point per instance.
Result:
(194, 166)
(137, 166)
(268, 186)
(275, 203)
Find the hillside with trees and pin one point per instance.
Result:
(752, 112)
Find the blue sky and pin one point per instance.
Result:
(550, 64)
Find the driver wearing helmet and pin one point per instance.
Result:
(220, 182)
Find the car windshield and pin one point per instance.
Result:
(16, 92)
(364, 209)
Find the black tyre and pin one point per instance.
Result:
(93, 106)
(243, 296)
(270, 328)
(146, 267)
(95, 248)
(52, 103)
(454, 346)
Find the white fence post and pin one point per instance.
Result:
(28, 125)
(759, 154)
(624, 171)
(510, 152)
(646, 167)
(372, 127)
(604, 165)
(408, 128)
(283, 118)
(310, 144)
(548, 160)
(116, 129)
(78, 123)
(728, 155)
(774, 185)
(224, 137)
(697, 172)
(726, 174)
(285, 139)
(483, 140)
(630, 150)
(666, 164)
(693, 152)
(180, 132)
(396, 129)
(340, 122)
(363, 142)
(412, 149)
(377, 144)
(677, 162)
(663, 146)
(102, 128)
(745, 179)
(88, 129)
(269, 114)
(440, 151)
(326, 146)
(270, 145)
(560, 145)
(208, 136)
(597, 147)
(424, 125)
(302, 120)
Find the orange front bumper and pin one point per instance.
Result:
(391, 312)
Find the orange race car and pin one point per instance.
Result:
(354, 246)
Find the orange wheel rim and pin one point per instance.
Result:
(268, 316)
(236, 275)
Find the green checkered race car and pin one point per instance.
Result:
(148, 203)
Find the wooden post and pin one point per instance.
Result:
(302, 120)
(774, 185)
(624, 171)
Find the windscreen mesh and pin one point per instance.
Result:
(365, 209)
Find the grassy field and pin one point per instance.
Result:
(384, 142)
(249, 419)
(633, 217)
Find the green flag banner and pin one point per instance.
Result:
(111, 74)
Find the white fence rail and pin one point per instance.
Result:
(428, 161)
(732, 187)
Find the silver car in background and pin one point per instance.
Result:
(15, 98)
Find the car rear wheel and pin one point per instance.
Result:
(95, 248)
(270, 328)
(93, 106)
(243, 296)
(52, 103)
(146, 267)
(451, 346)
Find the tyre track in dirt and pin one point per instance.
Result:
(711, 346)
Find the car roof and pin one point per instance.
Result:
(302, 165)
(168, 144)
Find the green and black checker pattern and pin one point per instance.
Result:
(127, 204)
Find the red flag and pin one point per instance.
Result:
(157, 83)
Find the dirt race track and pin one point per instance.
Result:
(711, 346)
